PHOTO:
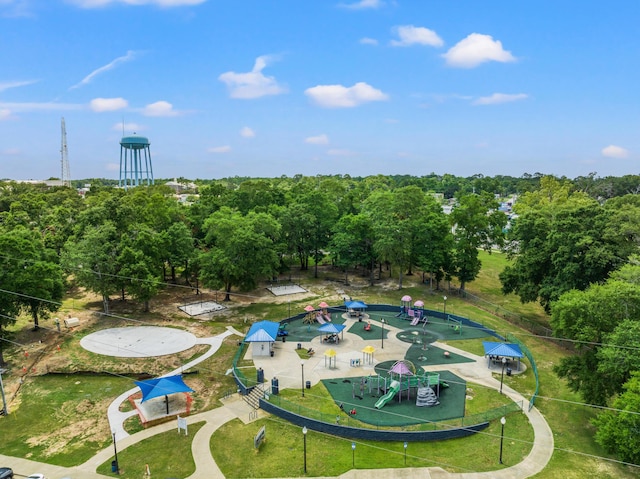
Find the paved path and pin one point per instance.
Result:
(315, 369)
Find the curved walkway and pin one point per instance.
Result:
(235, 407)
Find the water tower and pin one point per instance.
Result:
(135, 162)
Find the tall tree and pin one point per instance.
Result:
(560, 246)
(239, 249)
(617, 429)
(477, 225)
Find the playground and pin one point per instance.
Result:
(380, 367)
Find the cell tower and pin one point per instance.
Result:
(65, 177)
(135, 162)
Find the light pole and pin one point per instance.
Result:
(382, 337)
(302, 366)
(503, 421)
(304, 438)
(5, 409)
(353, 454)
(445, 308)
(504, 363)
(114, 465)
(405, 453)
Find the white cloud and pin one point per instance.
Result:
(411, 35)
(46, 106)
(220, 149)
(368, 41)
(11, 152)
(15, 8)
(108, 104)
(159, 108)
(338, 96)
(159, 3)
(109, 66)
(362, 4)
(5, 114)
(613, 151)
(317, 140)
(498, 98)
(247, 132)
(341, 152)
(15, 84)
(476, 49)
(252, 84)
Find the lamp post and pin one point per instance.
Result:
(302, 366)
(504, 363)
(445, 308)
(5, 409)
(304, 438)
(382, 337)
(114, 464)
(503, 421)
(405, 453)
(353, 454)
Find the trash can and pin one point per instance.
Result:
(284, 339)
(114, 466)
(308, 384)
(299, 345)
(272, 353)
(260, 377)
(274, 387)
(508, 371)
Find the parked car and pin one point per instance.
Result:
(6, 473)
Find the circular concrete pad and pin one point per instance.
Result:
(138, 342)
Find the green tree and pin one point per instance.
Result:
(477, 224)
(33, 274)
(617, 429)
(592, 317)
(93, 261)
(352, 244)
(239, 249)
(562, 245)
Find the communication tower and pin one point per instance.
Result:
(135, 162)
(65, 177)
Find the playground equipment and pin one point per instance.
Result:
(426, 397)
(456, 324)
(405, 305)
(323, 314)
(394, 388)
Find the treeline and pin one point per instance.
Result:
(574, 246)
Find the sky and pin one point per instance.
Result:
(265, 88)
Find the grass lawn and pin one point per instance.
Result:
(168, 455)
(60, 417)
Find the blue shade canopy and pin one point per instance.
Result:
(502, 349)
(355, 304)
(331, 328)
(157, 387)
(262, 331)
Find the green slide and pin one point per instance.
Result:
(394, 387)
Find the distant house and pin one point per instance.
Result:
(180, 187)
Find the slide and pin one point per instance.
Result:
(320, 319)
(394, 387)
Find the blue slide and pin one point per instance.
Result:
(394, 387)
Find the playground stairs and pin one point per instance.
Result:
(253, 398)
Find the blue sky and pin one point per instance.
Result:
(285, 87)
